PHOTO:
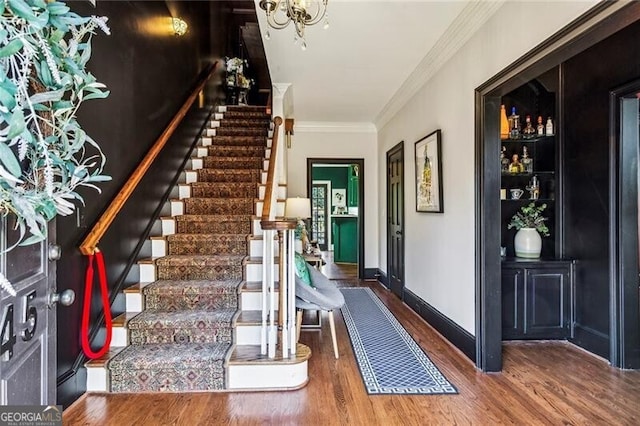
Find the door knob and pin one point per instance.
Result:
(55, 252)
(65, 298)
(398, 233)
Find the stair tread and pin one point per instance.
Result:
(173, 317)
(250, 355)
(257, 260)
(104, 359)
(163, 355)
(122, 319)
(246, 318)
(255, 286)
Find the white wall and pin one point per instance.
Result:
(327, 140)
(439, 248)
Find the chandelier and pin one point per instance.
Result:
(301, 12)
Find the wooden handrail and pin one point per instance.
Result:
(90, 243)
(268, 195)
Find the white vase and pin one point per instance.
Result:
(528, 243)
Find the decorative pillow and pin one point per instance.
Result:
(301, 269)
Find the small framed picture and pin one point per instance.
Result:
(339, 197)
(428, 155)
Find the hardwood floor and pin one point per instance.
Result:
(338, 271)
(548, 383)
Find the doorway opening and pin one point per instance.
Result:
(336, 189)
(592, 202)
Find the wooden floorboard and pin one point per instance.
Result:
(543, 383)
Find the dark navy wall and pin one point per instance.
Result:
(150, 73)
(588, 79)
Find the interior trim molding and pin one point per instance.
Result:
(370, 273)
(472, 17)
(383, 279)
(451, 331)
(334, 127)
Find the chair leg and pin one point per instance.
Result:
(332, 325)
(298, 324)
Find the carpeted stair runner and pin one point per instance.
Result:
(183, 337)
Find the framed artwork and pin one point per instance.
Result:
(339, 197)
(428, 157)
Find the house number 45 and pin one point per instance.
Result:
(8, 336)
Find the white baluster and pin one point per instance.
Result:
(263, 329)
(293, 333)
(273, 328)
(284, 296)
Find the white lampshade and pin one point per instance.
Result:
(297, 208)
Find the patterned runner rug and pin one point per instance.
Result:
(390, 361)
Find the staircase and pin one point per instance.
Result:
(193, 322)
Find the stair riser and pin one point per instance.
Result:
(231, 151)
(161, 248)
(230, 131)
(264, 376)
(252, 300)
(281, 192)
(256, 246)
(97, 380)
(279, 208)
(241, 377)
(149, 273)
(185, 227)
(234, 190)
(224, 207)
(253, 272)
(170, 335)
(191, 176)
(247, 335)
(249, 301)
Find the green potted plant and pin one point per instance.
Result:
(45, 155)
(530, 224)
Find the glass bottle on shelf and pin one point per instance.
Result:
(504, 123)
(528, 131)
(504, 161)
(540, 127)
(534, 188)
(514, 123)
(549, 127)
(527, 162)
(515, 166)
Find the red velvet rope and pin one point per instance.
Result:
(86, 308)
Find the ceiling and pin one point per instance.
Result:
(352, 71)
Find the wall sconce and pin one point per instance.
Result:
(179, 26)
(288, 130)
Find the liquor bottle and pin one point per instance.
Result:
(514, 122)
(504, 123)
(540, 127)
(549, 127)
(504, 161)
(527, 162)
(515, 166)
(528, 131)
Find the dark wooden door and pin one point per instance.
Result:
(395, 219)
(28, 364)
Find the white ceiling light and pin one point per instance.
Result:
(301, 12)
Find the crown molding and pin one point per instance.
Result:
(334, 127)
(472, 17)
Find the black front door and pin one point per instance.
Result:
(395, 219)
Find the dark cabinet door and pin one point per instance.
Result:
(547, 303)
(536, 300)
(512, 303)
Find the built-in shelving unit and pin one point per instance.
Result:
(536, 293)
